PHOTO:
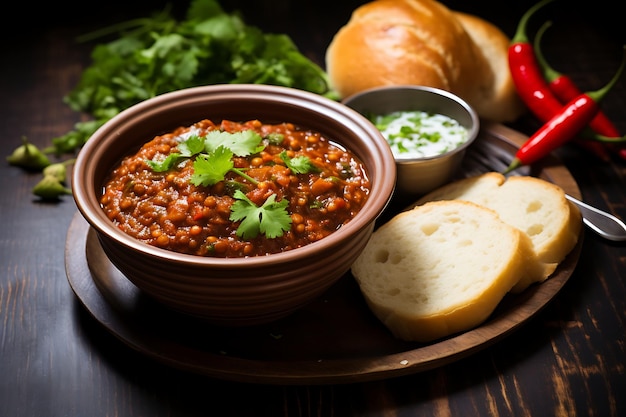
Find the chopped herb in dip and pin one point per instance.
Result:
(418, 134)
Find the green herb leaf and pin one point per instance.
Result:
(272, 218)
(209, 169)
(300, 164)
(166, 164)
(275, 138)
(243, 143)
(191, 146)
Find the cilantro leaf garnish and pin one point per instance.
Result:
(242, 143)
(272, 218)
(193, 145)
(209, 169)
(166, 164)
(300, 164)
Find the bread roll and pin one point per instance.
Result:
(536, 207)
(441, 268)
(422, 42)
(495, 97)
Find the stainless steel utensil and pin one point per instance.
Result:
(604, 224)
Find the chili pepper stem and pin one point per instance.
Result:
(515, 163)
(549, 73)
(599, 94)
(608, 139)
(521, 35)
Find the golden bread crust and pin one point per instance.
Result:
(422, 42)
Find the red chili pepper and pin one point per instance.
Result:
(565, 90)
(532, 88)
(564, 126)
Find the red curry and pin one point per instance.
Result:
(167, 210)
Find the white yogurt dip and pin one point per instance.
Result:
(418, 134)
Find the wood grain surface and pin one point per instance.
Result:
(57, 360)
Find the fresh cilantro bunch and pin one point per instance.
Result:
(158, 54)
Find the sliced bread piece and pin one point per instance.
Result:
(535, 206)
(441, 268)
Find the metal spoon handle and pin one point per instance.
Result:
(601, 222)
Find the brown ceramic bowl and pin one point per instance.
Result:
(233, 291)
(420, 175)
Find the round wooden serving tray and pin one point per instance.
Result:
(335, 339)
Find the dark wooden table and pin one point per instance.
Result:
(56, 360)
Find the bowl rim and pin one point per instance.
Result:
(472, 133)
(382, 184)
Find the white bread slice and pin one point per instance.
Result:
(441, 268)
(535, 206)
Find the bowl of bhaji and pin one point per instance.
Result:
(237, 204)
(428, 129)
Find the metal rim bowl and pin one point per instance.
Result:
(420, 175)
